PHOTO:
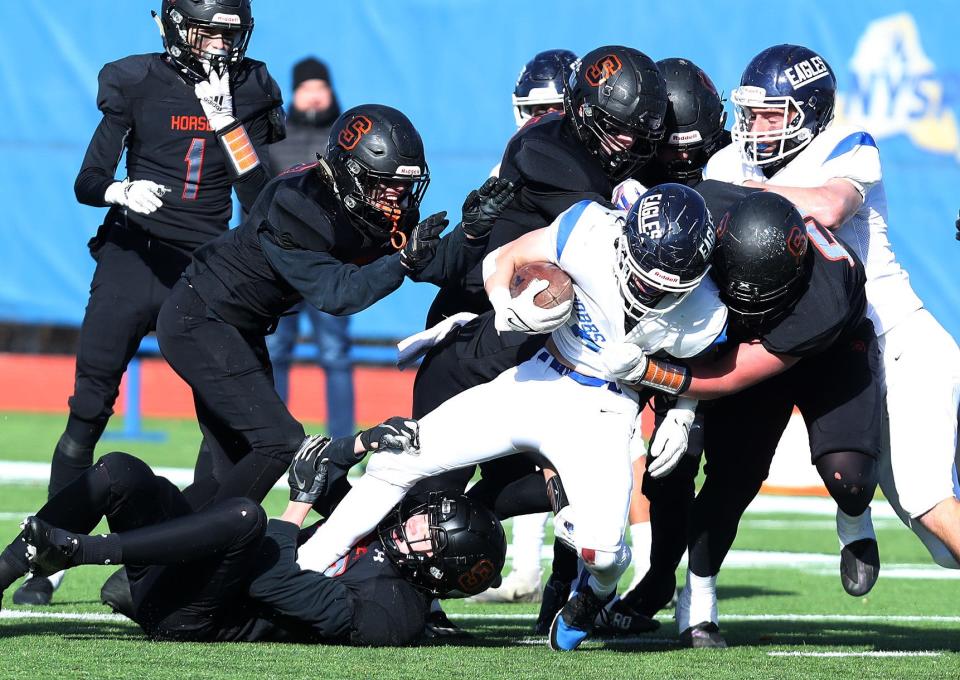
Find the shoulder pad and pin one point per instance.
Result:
(116, 77)
(297, 221)
(545, 162)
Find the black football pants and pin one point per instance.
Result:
(249, 435)
(133, 277)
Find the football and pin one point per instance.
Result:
(560, 289)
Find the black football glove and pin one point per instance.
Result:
(483, 206)
(394, 433)
(307, 475)
(958, 226)
(422, 242)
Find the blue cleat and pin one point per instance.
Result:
(575, 621)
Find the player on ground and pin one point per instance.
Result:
(225, 574)
(340, 234)
(193, 122)
(639, 279)
(785, 143)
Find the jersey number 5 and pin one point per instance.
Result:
(826, 243)
(194, 160)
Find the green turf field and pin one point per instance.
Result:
(782, 610)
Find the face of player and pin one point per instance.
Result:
(772, 120)
(535, 110)
(210, 41)
(313, 95)
(417, 532)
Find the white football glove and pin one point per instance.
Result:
(627, 193)
(671, 438)
(522, 314)
(216, 100)
(141, 196)
(625, 361)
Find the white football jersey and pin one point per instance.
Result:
(850, 153)
(583, 239)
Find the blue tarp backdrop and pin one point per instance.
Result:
(451, 66)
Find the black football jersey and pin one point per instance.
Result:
(832, 305)
(555, 171)
(153, 114)
(387, 609)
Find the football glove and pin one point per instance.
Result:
(394, 433)
(522, 314)
(141, 196)
(670, 440)
(216, 100)
(423, 241)
(308, 475)
(483, 206)
(625, 361)
(958, 226)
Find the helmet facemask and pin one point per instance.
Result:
(648, 292)
(619, 146)
(768, 146)
(183, 38)
(383, 202)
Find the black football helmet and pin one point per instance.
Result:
(468, 545)
(761, 265)
(665, 249)
(616, 101)
(380, 174)
(792, 78)
(181, 23)
(693, 130)
(540, 83)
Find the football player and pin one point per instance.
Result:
(797, 318)
(224, 573)
(784, 142)
(194, 122)
(639, 280)
(614, 106)
(340, 234)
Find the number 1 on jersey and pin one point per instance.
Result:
(194, 160)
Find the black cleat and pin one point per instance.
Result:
(37, 590)
(704, 635)
(622, 619)
(53, 548)
(440, 626)
(555, 594)
(859, 566)
(115, 593)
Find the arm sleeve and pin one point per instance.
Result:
(263, 130)
(314, 600)
(330, 285)
(456, 255)
(108, 142)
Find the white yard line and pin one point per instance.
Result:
(884, 653)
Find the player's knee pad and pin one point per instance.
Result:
(247, 517)
(851, 479)
(125, 471)
(606, 561)
(89, 405)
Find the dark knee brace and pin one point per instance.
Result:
(851, 479)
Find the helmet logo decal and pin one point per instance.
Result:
(648, 213)
(350, 135)
(221, 18)
(797, 241)
(477, 577)
(806, 71)
(599, 72)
